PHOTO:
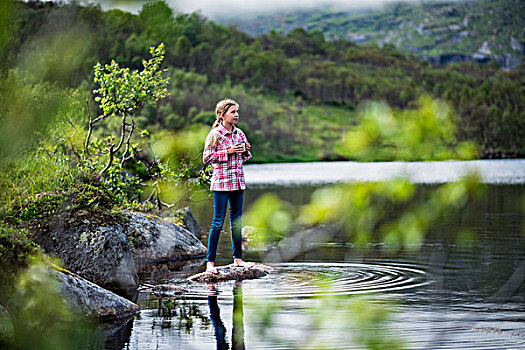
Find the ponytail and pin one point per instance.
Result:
(217, 122)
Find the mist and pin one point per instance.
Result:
(230, 8)
(220, 9)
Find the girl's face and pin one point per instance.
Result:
(231, 116)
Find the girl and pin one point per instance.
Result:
(226, 149)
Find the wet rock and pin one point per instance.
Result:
(168, 290)
(92, 301)
(157, 240)
(99, 253)
(7, 331)
(230, 272)
(191, 224)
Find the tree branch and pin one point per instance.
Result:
(90, 129)
(122, 133)
(124, 156)
(110, 161)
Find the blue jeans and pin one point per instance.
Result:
(220, 202)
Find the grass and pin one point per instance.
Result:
(34, 173)
(319, 130)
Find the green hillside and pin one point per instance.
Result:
(442, 31)
(298, 92)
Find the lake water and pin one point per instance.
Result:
(336, 294)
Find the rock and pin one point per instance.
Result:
(168, 290)
(92, 301)
(158, 240)
(230, 272)
(7, 331)
(99, 253)
(172, 268)
(99, 250)
(191, 224)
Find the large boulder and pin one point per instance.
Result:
(109, 249)
(156, 240)
(99, 252)
(92, 301)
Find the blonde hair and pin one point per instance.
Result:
(221, 108)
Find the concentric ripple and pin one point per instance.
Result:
(302, 280)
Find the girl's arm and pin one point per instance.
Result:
(246, 154)
(210, 154)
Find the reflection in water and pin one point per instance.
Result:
(238, 320)
(117, 336)
(165, 308)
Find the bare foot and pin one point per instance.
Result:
(212, 289)
(242, 263)
(210, 267)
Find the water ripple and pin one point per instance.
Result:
(304, 280)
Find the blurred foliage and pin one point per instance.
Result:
(271, 217)
(27, 107)
(359, 209)
(391, 213)
(42, 319)
(425, 133)
(16, 248)
(356, 321)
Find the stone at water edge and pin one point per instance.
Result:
(99, 252)
(92, 301)
(230, 272)
(168, 290)
(159, 240)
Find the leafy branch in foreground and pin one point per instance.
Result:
(427, 132)
(396, 214)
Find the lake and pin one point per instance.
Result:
(336, 294)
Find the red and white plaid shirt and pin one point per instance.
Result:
(228, 174)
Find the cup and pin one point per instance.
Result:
(243, 146)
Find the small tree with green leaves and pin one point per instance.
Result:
(121, 95)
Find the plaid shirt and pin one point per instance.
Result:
(228, 174)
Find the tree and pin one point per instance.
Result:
(121, 95)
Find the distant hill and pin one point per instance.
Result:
(439, 31)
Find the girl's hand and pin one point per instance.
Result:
(248, 146)
(235, 149)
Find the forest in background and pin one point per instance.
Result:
(299, 93)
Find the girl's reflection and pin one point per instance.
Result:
(238, 320)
